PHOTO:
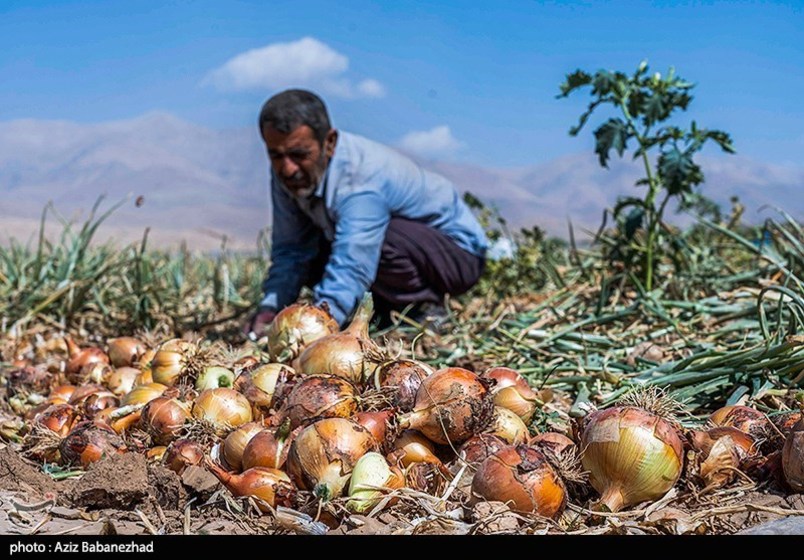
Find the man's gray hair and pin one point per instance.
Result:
(292, 108)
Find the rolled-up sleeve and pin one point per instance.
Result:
(294, 246)
(362, 220)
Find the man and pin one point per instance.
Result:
(351, 215)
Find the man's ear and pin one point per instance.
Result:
(330, 142)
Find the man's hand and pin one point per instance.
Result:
(255, 327)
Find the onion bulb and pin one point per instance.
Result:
(350, 354)
(507, 425)
(522, 477)
(452, 405)
(513, 392)
(412, 447)
(322, 456)
(178, 359)
(268, 448)
(793, 457)
(722, 452)
(82, 357)
(557, 443)
(272, 486)
(163, 418)
(295, 327)
(89, 442)
(122, 380)
(372, 475)
(266, 385)
(213, 377)
(403, 379)
(183, 453)
(380, 423)
(236, 442)
(320, 396)
(224, 409)
(744, 418)
(478, 448)
(632, 455)
(125, 351)
(143, 394)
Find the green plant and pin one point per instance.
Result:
(644, 102)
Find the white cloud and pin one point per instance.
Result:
(304, 63)
(436, 142)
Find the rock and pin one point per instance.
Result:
(118, 481)
(793, 525)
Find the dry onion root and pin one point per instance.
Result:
(452, 405)
(350, 354)
(522, 477)
(632, 455)
(295, 327)
(179, 360)
(323, 455)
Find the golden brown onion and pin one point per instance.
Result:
(513, 392)
(320, 396)
(295, 327)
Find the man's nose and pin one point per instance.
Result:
(288, 167)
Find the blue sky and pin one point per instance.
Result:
(467, 81)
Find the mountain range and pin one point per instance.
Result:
(198, 184)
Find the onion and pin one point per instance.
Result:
(320, 396)
(722, 452)
(513, 392)
(213, 377)
(183, 453)
(81, 357)
(452, 405)
(793, 457)
(744, 418)
(478, 448)
(143, 394)
(224, 409)
(177, 360)
(412, 447)
(266, 385)
(507, 425)
(60, 394)
(371, 476)
(125, 351)
(122, 380)
(89, 442)
(163, 418)
(322, 456)
(555, 442)
(403, 378)
(379, 423)
(295, 327)
(522, 477)
(91, 399)
(268, 448)
(156, 454)
(59, 419)
(632, 455)
(236, 442)
(272, 486)
(350, 354)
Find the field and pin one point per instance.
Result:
(720, 326)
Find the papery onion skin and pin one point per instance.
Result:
(163, 418)
(295, 327)
(403, 378)
(507, 425)
(59, 419)
(412, 447)
(722, 451)
(522, 477)
(323, 454)
(381, 424)
(320, 396)
(512, 391)
(452, 405)
(555, 442)
(123, 380)
(237, 441)
(266, 386)
(744, 418)
(268, 448)
(632, 455)
(81, 357)
(183, 453)
(478, 448)
(224, 409)
(143, 394)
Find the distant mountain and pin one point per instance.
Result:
(199, 184)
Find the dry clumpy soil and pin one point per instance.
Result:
(16, 475)
(121, 481)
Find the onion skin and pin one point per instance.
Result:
(371, 474)
(81, 357)
(522, 477)
(271, 486)
(403, 378)
(722, 451)
(557, 443)
(380, 423)
(478, 448)
(143, 394)
(183, 453)
(59, 419)
(89, 442)
(225, 409)
(631, 454)
(125, 351)
(320, 396)
(507, 425)
(237, 441)
(744, 418)
(295, 327)
(322, 456)
(163, 418)
(266, 386)
(122, 380)
(412, 447)
(452, 405)
(513, 392)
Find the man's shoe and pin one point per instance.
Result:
(430, 315)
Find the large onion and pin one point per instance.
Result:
(237, 441)
(632, 455)
(224, 409)
(350, 354)
(271, 486)
(163, 418)
(295, 327)
(265, 386)
(452, 405)
(513, 392)
(403, 379)
(320, 396)
(322, 456)
(125, 351)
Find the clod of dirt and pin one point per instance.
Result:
(166, 487)
(118, 481)
(16, 475)
(200, 482)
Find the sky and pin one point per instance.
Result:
(473, 82)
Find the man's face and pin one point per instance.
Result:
(297, 157)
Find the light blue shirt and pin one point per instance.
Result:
(366, 184)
